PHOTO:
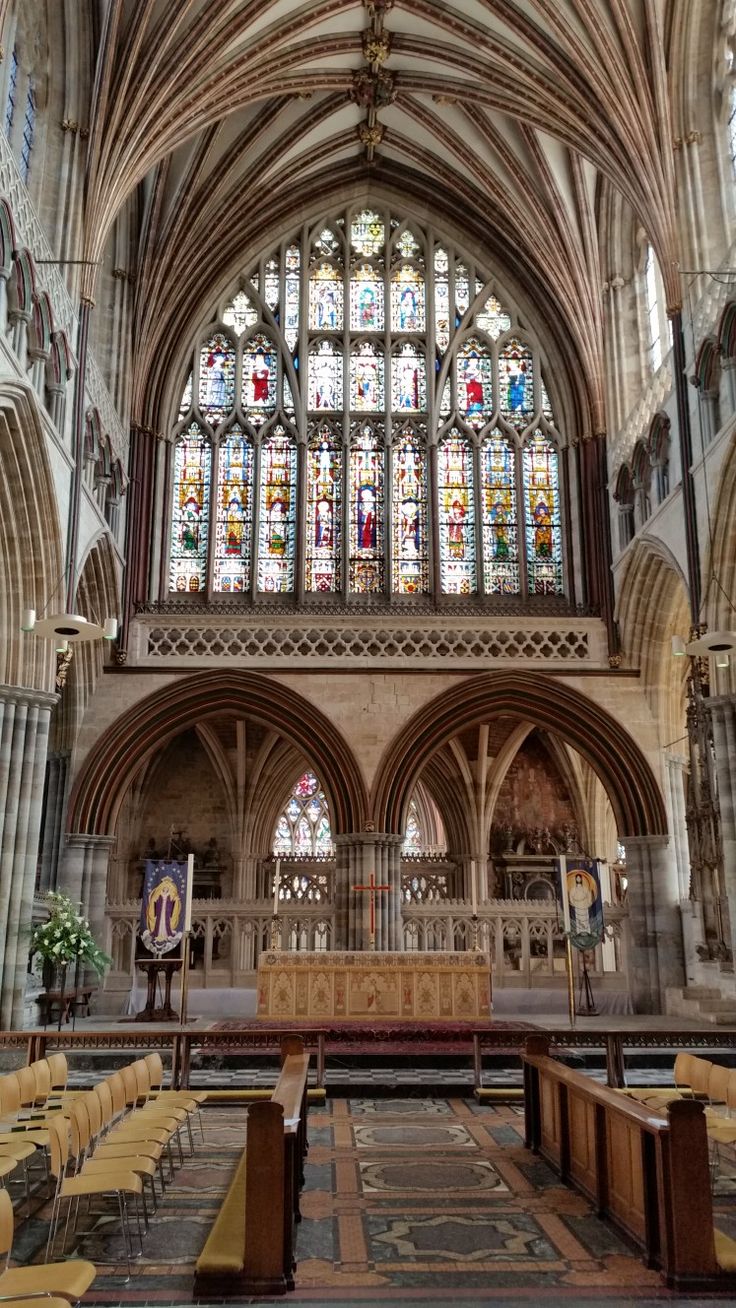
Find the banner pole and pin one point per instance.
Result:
(570, 981)
(185, 940)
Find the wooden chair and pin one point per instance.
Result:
(123, 1184)
(68, 1280)
(683, 1084)
(89, 1161)
(192, 1100)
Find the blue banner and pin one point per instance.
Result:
(582, 903)
(163, 906)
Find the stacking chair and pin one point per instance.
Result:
(68, 1280)
(111, 1096)
(123, 1182)
(168, 1107)
(682, 1072)
(89, 1160)
(192, 1100)
(15, 1114)
(140, 1126)
(153, 1119)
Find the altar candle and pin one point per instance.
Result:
(190, 888)
(473, 892)
(276, 887)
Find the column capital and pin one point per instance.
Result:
(27, 695)
(723, 703)
(367, 838)
(659, 841)
(677, 762)
(88, 840)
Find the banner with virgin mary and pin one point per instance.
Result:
(162, 906)
(582, 903)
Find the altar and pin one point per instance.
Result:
(410, 987)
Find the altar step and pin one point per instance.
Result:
(706, 1003)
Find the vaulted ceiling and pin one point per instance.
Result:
(504, 119)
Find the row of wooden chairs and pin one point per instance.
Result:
(699, 1078)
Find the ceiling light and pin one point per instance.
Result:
(68, 627)
(678, 647)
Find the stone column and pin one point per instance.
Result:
(356, 857)
(722, 709)
(52, 823)
(83, 876)
(656, 957)
(25, 717)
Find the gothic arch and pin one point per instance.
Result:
(653, 607)
(118, 755)
(548, 703)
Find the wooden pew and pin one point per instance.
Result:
(250, 1248)
(646, 1170)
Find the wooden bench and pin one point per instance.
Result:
(646, 1170)
(76, 1000)
(250, 1248)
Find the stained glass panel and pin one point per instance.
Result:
(240, 313)
(190, 515)
(408, 380)
(278, 512)
(260, 371)
(462, 292)
(366, 511)
(413, 840)
(366, 299)
(304, 826)
(516, 382)
(408, 246)
(291, 296)
(325, 376)
(446, 400)
(409, 517)
(186, 398)
(407, 300)
(325, 298)
(366, 378)
(546, 403)
(500, 537)
(216, 378)
(493, 318)
(234, 515)
(306, 785)
(474, 382)
(327, 243)
(324, 513)
(542, 515)
(367, 233)
(456, 515)
(271, 283)
(441, 299)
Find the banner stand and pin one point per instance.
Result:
(186, 937)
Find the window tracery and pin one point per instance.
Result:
(304, 826)
(369, 342)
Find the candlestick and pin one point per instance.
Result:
(276, 887)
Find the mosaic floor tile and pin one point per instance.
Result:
(460, 1239)
(406, 1136)
(438, 1176)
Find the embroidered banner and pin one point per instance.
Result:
(163, 906)
(582, 903)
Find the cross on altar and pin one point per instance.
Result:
(372, 889)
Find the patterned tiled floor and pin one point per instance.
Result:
(407, 1200)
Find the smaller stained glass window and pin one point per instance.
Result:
(260, 371)
(325, 376)
(408, 380)
(446, 400)
(366, 299)
(325, 298)
(324, 512)
(475, 382)
(277, 516)
(407, 300)
(516, 384)
(542, 516)
(291, 296)
(271, 283)
(546, 403)
(366, 510)
(304, 826)
(366, 378)
(327, 243)
(240, 313)
(409, 516)
(456, 515)
(234, 513)
(414, 842)
(190, 517)
(367, 233)
(462, 292)
(408, 246)
(186, 398)
(216, 378)
(500, 540)
(493, 318)
(441, 299)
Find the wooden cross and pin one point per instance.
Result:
(372, 889)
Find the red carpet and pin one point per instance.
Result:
(384, 1037)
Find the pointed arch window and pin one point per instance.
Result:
(192, 471)
(304, 827)
(369, 340)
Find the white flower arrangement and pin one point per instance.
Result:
(66, 936)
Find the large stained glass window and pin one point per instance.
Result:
(367, 340)
(324, 511)
(304, 826)
(409, 517)
(542, 513)
(192, 468)
(498, 495)
(234, 512)
(456, 515)
(277, 513)
(367, 457)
